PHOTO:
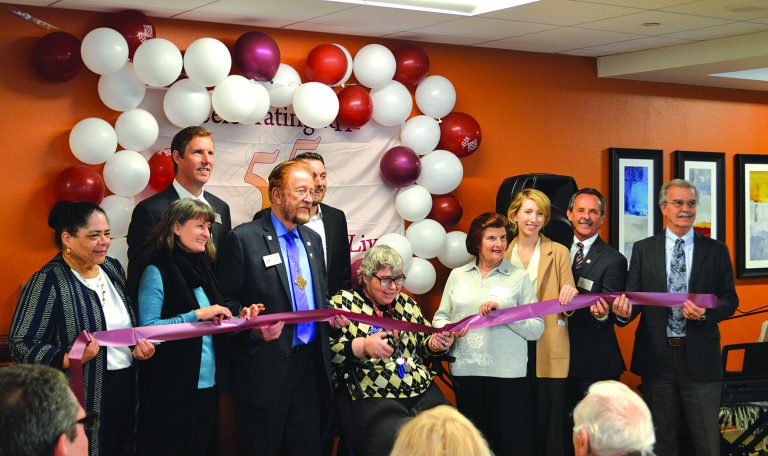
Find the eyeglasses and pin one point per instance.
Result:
(90, 420)
(680, 203)
(388, 281)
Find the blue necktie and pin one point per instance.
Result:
(305, 332)
(677, 283)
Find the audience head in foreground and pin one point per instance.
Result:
(441, 431)
(612, 421)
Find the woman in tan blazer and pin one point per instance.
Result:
(548, 266)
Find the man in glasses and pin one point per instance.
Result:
(39, 414)
(677, 350)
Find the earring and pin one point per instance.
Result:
(68, 251)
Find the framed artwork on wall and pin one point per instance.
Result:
(752, 216)
(635, 176)
(705, 170)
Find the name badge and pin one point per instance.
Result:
(271, 260)
(497, 291)
(585, 284)
(217, 218)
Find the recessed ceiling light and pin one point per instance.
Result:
(461, 7)
(651, 24)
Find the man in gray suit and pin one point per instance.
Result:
(279, 374)
(677, 350)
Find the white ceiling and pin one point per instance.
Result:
(691, 38)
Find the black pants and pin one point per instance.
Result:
(116, 419)
(501, 409)
(371, 425)
(550, 417)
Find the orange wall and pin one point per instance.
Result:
(539, 113)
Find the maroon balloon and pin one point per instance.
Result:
(135, 27)
(356, 267)
(57, 56)
(355, 107)
(460, 133)
(327, 64)
(412, 64)
(400, 166)
(257, 56)
(79, 183)
(161, 170)
(446, 210)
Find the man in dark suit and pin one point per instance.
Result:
(280, 375)
(193, 159)
(597, 268)
(677, 350)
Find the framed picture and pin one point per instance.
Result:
(705, 170)
(752, 215)
(635, 176)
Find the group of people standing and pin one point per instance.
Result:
(515, 382)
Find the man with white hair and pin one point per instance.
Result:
(612, 421)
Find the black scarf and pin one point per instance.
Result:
(197, 272)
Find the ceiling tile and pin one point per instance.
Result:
(651, 42)
(283, 11)
(337, 29)
(483, 28)
(574, 37)
(587, 52)
(720, 31)
(668, 23)
(560, 12)
(151, 8)
(517, 46)
(643, 4)
(735, 10)
(445, 39)
(383, 18)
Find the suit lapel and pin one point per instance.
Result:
(658, 258)
(700, 250)
(273, 247)
(545, 258)
(589, 261)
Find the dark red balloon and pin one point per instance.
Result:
(257, 56)
(400, 166)
(79, 183)
(446, 210)
(356, 267)
(355, 107)
(57, 56)
(326, 64)
(135, 27)
(460, 133)
(412, 64)
(161, 170)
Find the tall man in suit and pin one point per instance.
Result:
(280, 374)
(193, 159)
(677, 350)
(597, 268)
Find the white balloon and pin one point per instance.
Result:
(261, 106)
(413, 203)
(350, 65)
(136, 129)
(454, 253)
(427, 238)
(118, 210)
(282, 87)
(234, 99)
(123, 90)
(316, 105)
(401, 244)
(420, 133)
(187, 103)
(118, 250)
(420, 276)
(207, 61)
(93, 141)
(435, 96)
(441, 172)
(392, 104)
(157, 62)
(374, 66)
(126, 173)
(104, 51)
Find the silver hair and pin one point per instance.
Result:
(380, 257)
(676, 183)
(616, 419)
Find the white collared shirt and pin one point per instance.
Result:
(669, 247)
(317, 225)
(587, 244)
(184, 193)
(533, 264)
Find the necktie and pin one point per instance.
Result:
(578, 259)
(305, 332)
(677, 283)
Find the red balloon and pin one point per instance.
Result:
(412, 64)
(355, 106)
(400, 166)
(79, 183)
(257, 56)
(460, 133)
(135, 27)
(57, 56)
(446, 210)
(356, 267)
(161, 170)
(326, 64)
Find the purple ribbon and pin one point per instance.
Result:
(178, 331)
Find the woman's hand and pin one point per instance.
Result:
(214, 312)
(251, 311)
(567, 292)
(376, 346)
(442, 341)
(91, 350)
(487, 307)
(461, 333)
(143, 350)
